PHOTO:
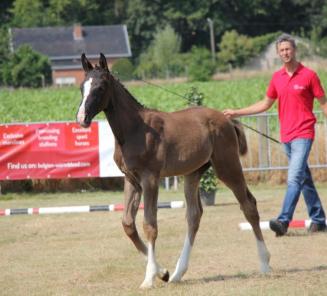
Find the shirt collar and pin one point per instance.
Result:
(298, 69)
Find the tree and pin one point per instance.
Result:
(5, 6)
(200, 64)
(166, 46)
(87, 12)
(235, 49)
(27, 68)
(142, 19)
(27, 13)
(4, 52)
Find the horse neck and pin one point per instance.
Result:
(125, 114)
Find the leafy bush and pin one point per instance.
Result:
(27, 68)
(208, 182)
(194, 97)
(123, 68)
(147, 68)
(261, 42)
(162, 57)
(235, 49)
(201, 67)
(4, 52)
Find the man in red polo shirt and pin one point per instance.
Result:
(294, 87)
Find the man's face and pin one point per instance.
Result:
(286, 51)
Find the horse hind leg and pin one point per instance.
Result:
(150, 186)
(251, 214)
(193, 214)
(229, 170)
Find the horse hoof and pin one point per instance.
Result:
(165, 276)
(266, 269)
(175, 279)
(146, 285)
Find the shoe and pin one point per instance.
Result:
(317, 228)
(279, 227)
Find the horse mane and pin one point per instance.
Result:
(122, 86)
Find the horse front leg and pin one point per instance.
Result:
(132, 198)
(150, 187)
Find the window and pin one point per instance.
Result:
(65, 81)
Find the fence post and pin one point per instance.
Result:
(262, 125)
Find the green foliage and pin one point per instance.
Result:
(235, 49)
(27, 13)
(161, 59)
(4, 52)
(123, 68)
(27, 68)
(201, 67)
(208, 181)
(166, 46)
(262, 41)
(194, 97)
(143, 17)
(60, 104)
(322, 47)
(147, 68)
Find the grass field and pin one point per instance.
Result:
(60, 104)
(88, 254)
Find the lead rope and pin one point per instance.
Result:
(181, 96)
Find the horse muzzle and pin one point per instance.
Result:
(83, 119)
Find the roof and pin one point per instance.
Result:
(59, 43)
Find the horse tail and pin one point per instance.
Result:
(243, 146)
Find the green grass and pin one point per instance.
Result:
(60, 104)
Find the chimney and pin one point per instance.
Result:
(78, 32)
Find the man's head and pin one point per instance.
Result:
(286, 48)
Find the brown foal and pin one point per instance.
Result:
(150, 144)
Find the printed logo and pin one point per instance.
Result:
(298, 87)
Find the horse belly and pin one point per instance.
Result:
(184, 163)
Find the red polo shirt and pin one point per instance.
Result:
(295, 96)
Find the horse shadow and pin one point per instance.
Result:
(275, 274)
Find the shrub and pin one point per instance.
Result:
(194, 97)
(162, 58)
(201, 67)
(235, 49)
(261, 42)
(147, 67)
(208, 182)
(27, 68)
(123, 68)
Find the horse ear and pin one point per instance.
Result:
(87, 66)
(103, 62)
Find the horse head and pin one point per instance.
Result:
(95, 90)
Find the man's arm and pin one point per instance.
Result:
(257, 107)
(323, 104)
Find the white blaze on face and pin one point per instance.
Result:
(86, 91)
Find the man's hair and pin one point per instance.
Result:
(283, 38)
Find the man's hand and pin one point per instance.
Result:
(230, 113)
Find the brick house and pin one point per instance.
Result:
(64, 46)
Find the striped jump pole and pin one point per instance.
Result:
(264, 225)
(83, 209)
